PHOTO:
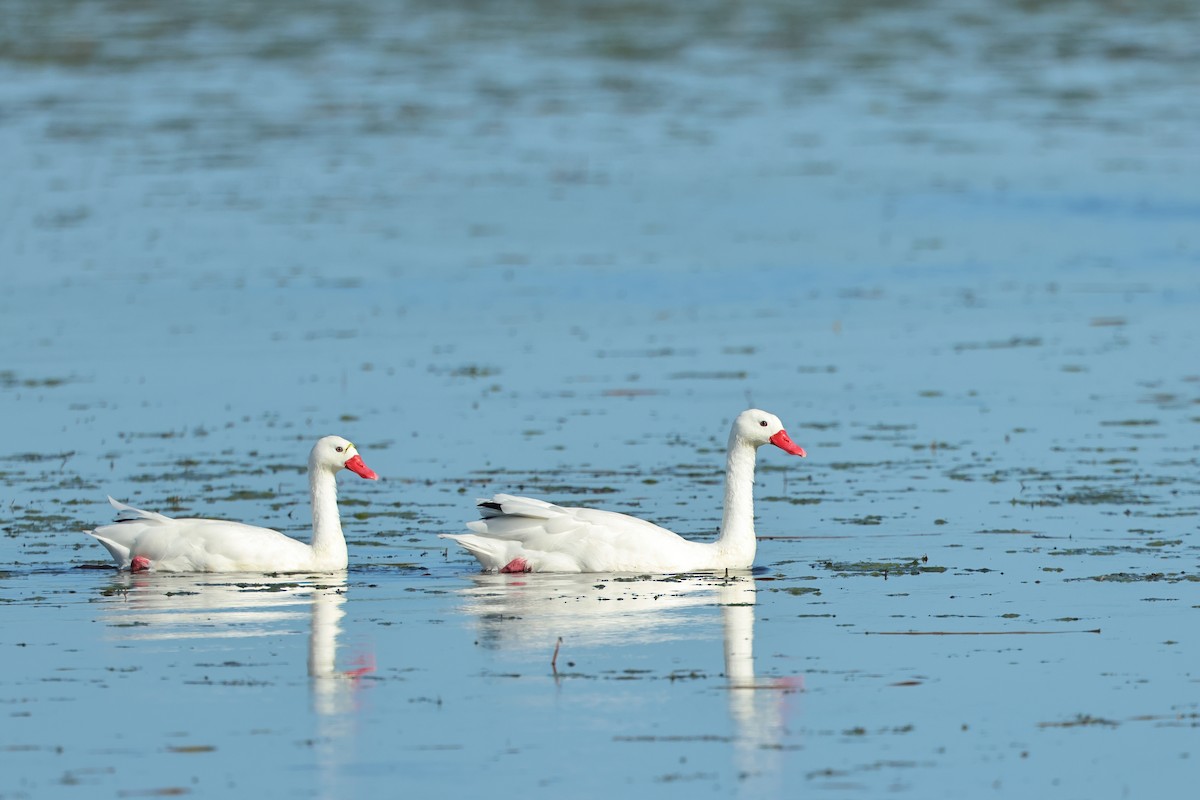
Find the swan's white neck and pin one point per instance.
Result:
(328, 543)
(737, 540)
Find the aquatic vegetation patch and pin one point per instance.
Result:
(243, 682)
(868, 519)
(630, 392)
(248, 494)
(265, 587)
(1087, 496)
(701, 737)
(10, 380)
(23, 457)
(563, 489)
(1018, 531)
(1005, 344)
(881, 569)
(190, 475)
(796, 501)
(1081, 721)
(978, 633)
(395, 514)
(866, 465)
(1093, 496)
(1109, 550)
(474, 371)
(1134, 577)
(719, 375)
(934, 446)
(151, 434)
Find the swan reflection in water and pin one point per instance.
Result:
(530, 614)
(165, 606)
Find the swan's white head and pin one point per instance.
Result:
(757, 427)
(334, 453)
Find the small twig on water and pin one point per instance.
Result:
(554, 658)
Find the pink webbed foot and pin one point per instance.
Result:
(517, 565)
(139, 564)
(364, 665)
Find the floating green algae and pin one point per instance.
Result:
(914, 566)
(799, 590)
(1134, 577)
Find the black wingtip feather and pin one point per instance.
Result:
(489, 504)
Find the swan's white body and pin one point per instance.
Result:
(521, 534)
(143, 539)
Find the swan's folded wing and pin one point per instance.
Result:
(514, 505)
(529, 529)
(512, 527)
(127, 513)
(531, 521)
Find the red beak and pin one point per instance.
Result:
(785, 443)
(357, 466)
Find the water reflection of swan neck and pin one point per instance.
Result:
(756, 709)
(737, 598)
(332, 692)
(327, 613)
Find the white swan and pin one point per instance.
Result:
(142, 540)
(520, 534)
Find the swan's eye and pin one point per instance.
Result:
(339, 448)
(763, 423)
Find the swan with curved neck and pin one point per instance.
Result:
(521, 534)
(142, 540)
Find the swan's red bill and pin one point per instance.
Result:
(357, 466)
(139, 564)
(785, 443)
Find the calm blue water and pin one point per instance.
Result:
(554, 249)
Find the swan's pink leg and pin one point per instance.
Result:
(366, 665)
(517, 565)
(139, 564)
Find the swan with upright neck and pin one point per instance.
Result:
(142, 540)
(521, 534)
